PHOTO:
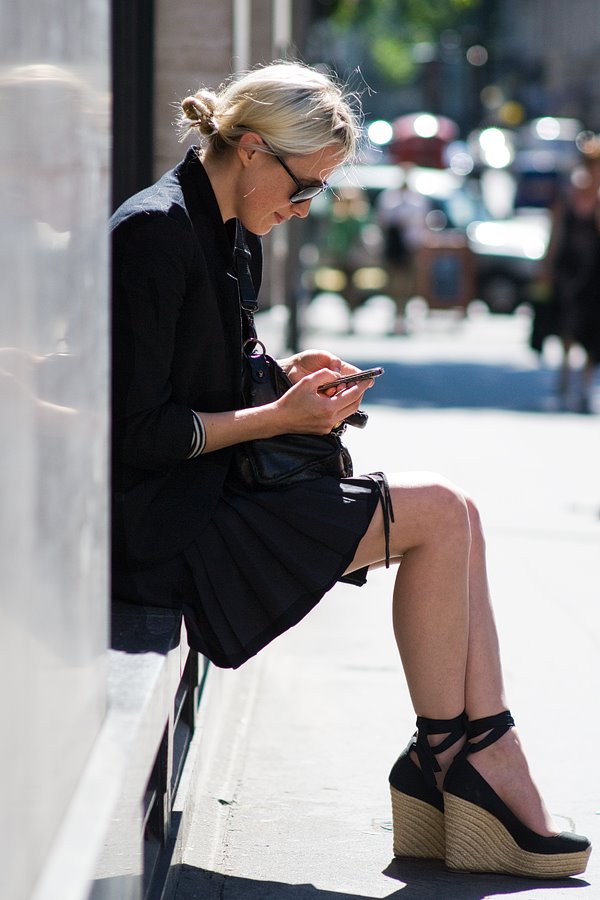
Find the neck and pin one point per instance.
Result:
(222, 179)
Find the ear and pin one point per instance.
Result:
(249, 142)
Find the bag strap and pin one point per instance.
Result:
(246, 292)
(249, 305)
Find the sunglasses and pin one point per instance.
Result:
(304, 192)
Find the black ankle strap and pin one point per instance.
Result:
(426, 754)
(496, 725)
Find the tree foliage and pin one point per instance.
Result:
(391, 28)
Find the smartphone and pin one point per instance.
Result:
(365, 375)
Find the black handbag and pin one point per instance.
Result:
(285, 459)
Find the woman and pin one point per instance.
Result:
(244, 566)
(572, 270)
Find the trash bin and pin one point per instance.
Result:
(446, 271)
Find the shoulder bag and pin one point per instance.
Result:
(285, 459)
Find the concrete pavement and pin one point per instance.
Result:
(292, 797)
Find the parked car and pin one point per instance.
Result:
(508, 253)
(347, 250)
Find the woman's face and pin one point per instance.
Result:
(265, 187)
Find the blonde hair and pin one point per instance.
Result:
(296, 109)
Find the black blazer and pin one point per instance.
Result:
(176, 347)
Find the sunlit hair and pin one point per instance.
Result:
(296, 109)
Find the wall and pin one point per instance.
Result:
(193, 47)
(564, 38)
(201, 44)
(58, 779)
(54, 167)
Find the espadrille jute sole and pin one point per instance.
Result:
(418, 827)
(477, 842)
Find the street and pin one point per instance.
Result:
(292, 797)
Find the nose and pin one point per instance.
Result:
(301, 209)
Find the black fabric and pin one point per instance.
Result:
(454, 730)
(496, 726)
(387, 509)
(285, 458)
(462, 780)
(264, 561)
(176, 347)
(243, 567)
(577, 279)
(546, 322)
(279, 461)
(408, 778)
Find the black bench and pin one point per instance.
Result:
(155, 683)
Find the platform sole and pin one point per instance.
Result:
(477, 842)
(418, 827)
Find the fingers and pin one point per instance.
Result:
(345, 402)
(348, 400)
(330, 387)
(353, 390)
(310, 410)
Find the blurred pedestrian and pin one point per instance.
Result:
(572, 273)
(345, 248)
(401, 214)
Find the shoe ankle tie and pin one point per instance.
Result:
(426, 754)
(496, 726)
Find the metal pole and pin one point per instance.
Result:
(282, 27)
(241, 34)
(284, 290)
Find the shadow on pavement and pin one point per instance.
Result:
(430, 879)
(421, 880)
(447, 385)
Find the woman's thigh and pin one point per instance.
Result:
(426, 506)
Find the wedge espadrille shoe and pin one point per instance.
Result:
(417, 803)
(483, 835)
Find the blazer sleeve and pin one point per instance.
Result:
(153, 262)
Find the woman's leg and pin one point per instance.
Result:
(444, 625)
(430, 610)
(503, 765)
(564, 375)
(587, 384)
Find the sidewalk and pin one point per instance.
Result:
(294, 804)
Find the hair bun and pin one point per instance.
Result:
(199, 111)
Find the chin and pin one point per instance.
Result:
(261, 230)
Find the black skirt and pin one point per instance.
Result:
(263, 563)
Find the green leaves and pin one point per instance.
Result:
(389, 29)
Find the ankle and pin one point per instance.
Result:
(437, 743)
(487, 730)
(446, 758)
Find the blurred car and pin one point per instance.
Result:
(508, 254)
(346, 256)
(422, 139)
(547, 153)
(549, 142)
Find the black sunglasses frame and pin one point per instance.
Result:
(304, 192)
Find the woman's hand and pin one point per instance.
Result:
(306, 410)
(309, 361)
(303, 409)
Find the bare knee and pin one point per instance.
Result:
(450, 508)
(430, 509)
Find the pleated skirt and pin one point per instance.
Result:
(264, 561)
